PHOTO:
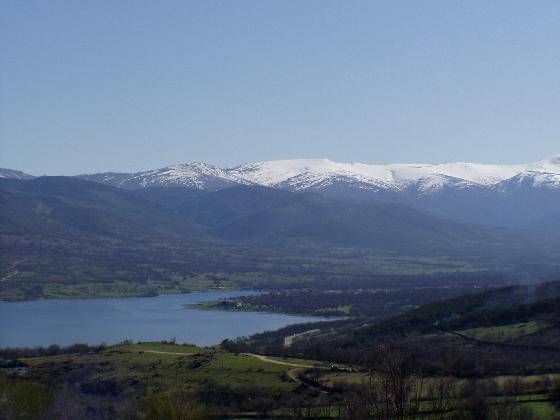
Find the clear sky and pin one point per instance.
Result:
(91, 86)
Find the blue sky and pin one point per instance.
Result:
(134, 85)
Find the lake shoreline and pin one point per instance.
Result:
(126, 295)
(217, 306)
(112, 320)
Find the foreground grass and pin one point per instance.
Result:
(543, 410)
(114, 379)
(124, 378)
(163, 367)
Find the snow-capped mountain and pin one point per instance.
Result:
(317, 174)
(320, 174)
(192, 175)
(531, 179)
(305, 174)
(13, 174)
(505, 195)
(318, 170)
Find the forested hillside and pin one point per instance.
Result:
(57, 232)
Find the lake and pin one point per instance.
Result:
(95, 321)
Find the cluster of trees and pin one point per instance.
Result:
(430, 331)
(10, 353)
(368, 303)
(396, 389)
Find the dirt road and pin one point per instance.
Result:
(281, 362)
(164, 352)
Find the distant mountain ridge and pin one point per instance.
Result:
(308, 174)
(520, 196)
(315, 174)
(13, 174)
(73, 209)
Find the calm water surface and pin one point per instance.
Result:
(94, 321)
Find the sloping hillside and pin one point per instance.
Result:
(68, 230)
(509, 329)
(62, 206)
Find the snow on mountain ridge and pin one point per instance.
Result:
(272, 173)
(550, 165)
(194, 175)
(438, 182)
(14, 174)
(314, 174)
(531, 179)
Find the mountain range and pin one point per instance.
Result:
(60, 232)
(74, 209)
(320, 174)
(520, 196)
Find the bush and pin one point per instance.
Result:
(554, 395)
(179, 406)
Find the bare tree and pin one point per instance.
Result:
(441, 396)
(554, 394)
(513, 386)
(401, 386)
(474, 402)
(392, 390)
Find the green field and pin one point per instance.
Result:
(137, 371)
(504, 333)
(184, 365)
(66, 289)
(37, 277)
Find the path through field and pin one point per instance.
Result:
(292, 374)
(164, 352)
(281, 362)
